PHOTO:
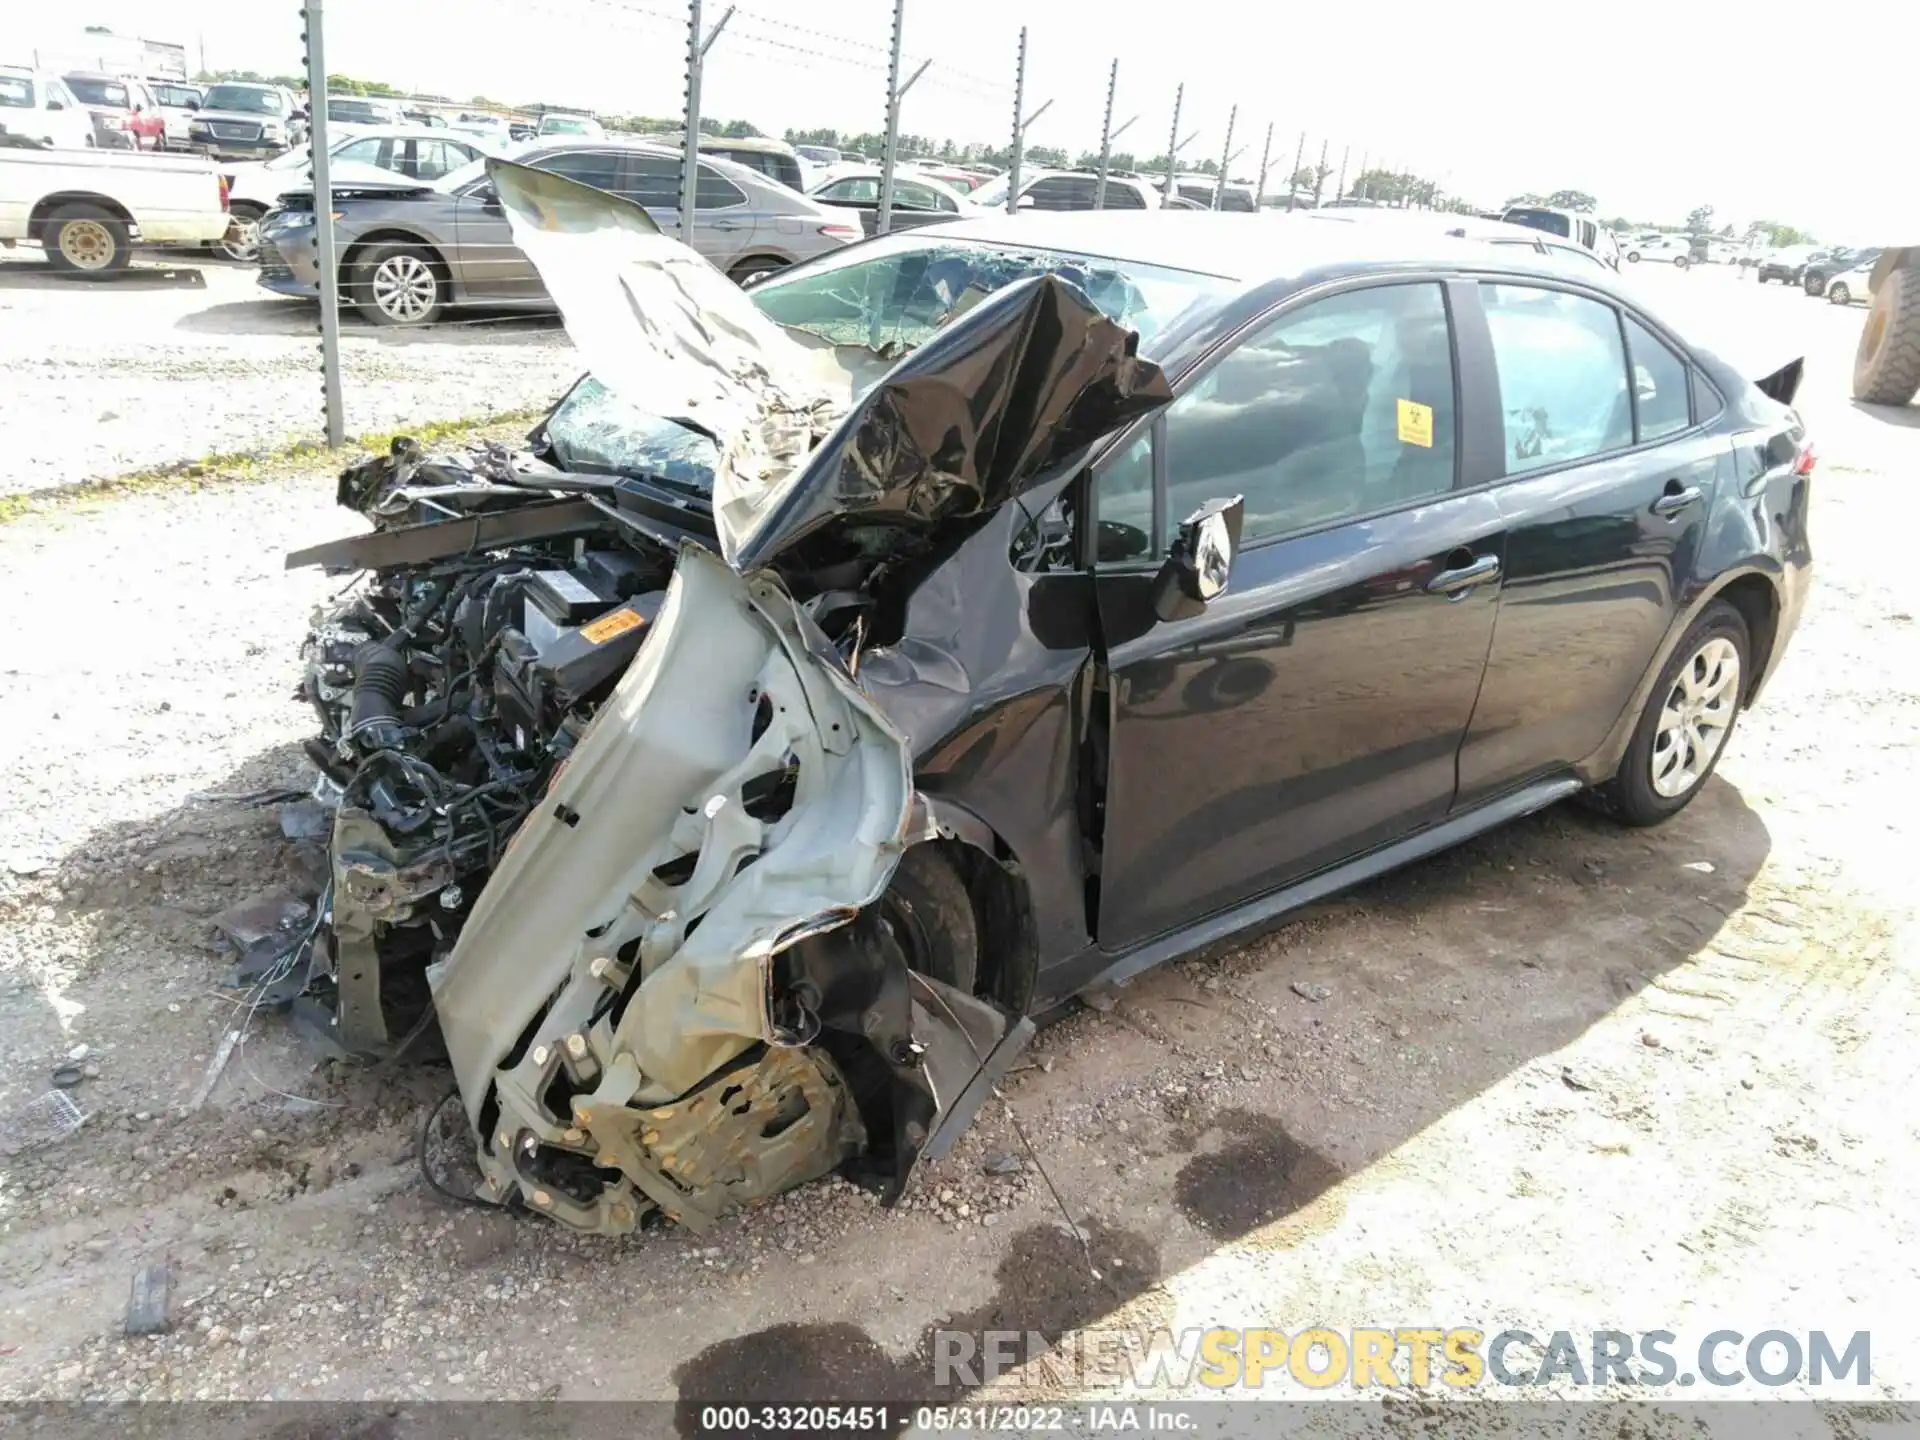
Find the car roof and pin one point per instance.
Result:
(394, 132)
(1255, 251)
(732, 169)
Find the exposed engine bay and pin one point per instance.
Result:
(612, 813)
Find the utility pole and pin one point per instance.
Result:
(895, 91)
(1226, 158)
(322, 167)
(1173, 137)
(1019, 128)
(1320, 175)
(1298, 151)
(1360, 180)
(697, 48)
(1106, 137)
(1340, 189)
(1260, 188)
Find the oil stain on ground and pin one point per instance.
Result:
(1260, 1175)
(1045, 1288)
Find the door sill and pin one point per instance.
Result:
(1264, 909)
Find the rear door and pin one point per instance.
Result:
(724, 225)
(1609, 475)
(1313, 711)
(491, 267)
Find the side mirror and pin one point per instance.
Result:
(56, 105)
(1026, 202)
(1200, 563)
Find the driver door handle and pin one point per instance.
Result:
(1676, 498)
(1463, 578)
(728, 225)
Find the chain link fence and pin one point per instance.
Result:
(433, 279)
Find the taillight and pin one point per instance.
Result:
(841, 232)
(226, 189)
(1807, 457)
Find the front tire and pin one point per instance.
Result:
(1839, 294)
(86, 240)
(1687, 722)
(927, 912)
(399, 285)
(1680, 262)
(1633, 257)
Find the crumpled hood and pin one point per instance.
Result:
(956, 429)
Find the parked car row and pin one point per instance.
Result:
(1841, 273)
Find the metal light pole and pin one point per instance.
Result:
(1226, 157)
(1260, 187)
(1360, 180)
(322, 166)
(1340, 189)
(697, 48)
(895, 91)
(1320, 175)
(1298, 151)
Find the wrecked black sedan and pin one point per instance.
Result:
(856, 667)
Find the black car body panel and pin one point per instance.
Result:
(1369, 687)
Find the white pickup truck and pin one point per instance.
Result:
(88, 209)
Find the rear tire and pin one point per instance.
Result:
(242, 241)
(1633, 257)
(755, 268)
(1838, 294)
(927, 911)
(1680, 262)
(85, 240)
(1688, 720)
(1886, 369)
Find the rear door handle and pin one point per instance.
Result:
(1676, 498)
(1478, 571)
(728, 225)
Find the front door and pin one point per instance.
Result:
(1314, 710)
(1605, 511)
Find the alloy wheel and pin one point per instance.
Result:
(1696, 719)
(242, 240)
(87, 244)
(1837, 293)
(404, 287)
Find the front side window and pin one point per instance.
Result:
(1061, 192)
(1660, 383)
(1341, 408)
(16, 93)
(1121, 196)
(367, 152)
(1563, 375)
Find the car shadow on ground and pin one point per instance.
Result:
(1906, 416)
(33, 273)
(272, 315)
(1216, 1096)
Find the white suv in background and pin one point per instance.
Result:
(1069, 190)
(1583, 230)
(1674, 249)
(39, 107)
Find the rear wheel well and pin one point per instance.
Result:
(350, 261)
(50, 205)
(1759, 605)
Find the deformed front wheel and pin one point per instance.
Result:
(929, 915)
(1684, 728)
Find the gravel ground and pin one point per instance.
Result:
(1563, 1076)
(98, 379)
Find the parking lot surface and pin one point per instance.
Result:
(182, 358)
(1565, 1077)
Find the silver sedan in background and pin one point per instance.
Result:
(408, 251)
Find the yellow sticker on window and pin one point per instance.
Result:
(1416, 423)
(608, 626)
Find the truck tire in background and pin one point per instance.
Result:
(1886, 369)
(85, 240)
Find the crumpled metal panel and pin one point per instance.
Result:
(987, 406)
(658, 325)
(653, 873)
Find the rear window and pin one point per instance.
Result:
(98, 92)
(16, 92)
(181, 97)
(1551, 221)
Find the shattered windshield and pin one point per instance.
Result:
(890, 297)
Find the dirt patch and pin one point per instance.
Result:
(1260, 1175)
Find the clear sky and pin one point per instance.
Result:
(1652, 106)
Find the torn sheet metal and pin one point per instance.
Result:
(1028, 376)
(657, 324)
(736, 793)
